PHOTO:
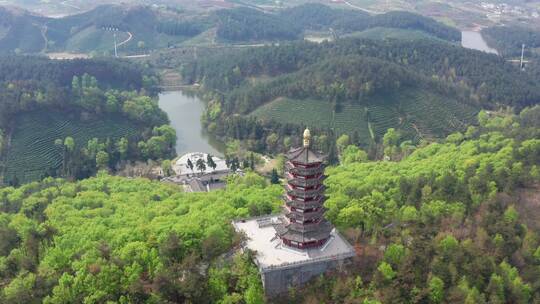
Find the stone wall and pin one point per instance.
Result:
(279, 281)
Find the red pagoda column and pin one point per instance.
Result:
(305, 225)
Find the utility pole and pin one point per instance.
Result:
(522, 54)
(115, 47)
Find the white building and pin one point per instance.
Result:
(181, 167)
(194, 180)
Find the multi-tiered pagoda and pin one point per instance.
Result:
(304, 225)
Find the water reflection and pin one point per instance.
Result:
(185, 112)
(474, 40)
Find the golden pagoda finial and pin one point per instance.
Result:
(307, 138)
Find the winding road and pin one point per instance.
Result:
(127, 40)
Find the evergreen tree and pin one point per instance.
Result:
(274, 179)
(201, 165)
(190, 164)
(252, 161)
(210, 162)
(332, 152)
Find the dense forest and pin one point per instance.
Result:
(83, 90)
(457, 220)
(509, 39)
(449, 222)
(354, 72)
(490, 79)
(339, 79)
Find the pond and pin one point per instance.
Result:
(185, 115)
(474, 40)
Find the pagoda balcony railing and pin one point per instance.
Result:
(304, 182)
(304, 193)
(303, 171)
(305, 216)
(300, 227)
(290, 202)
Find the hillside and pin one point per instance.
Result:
(509, 39)
(424, 88)
(137, 29)
(21, 31)
(418, 114)
(33, 154)
(71, 118)
(441, 225)
(141, 28)
(246, 24)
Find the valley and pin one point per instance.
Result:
(261, 151)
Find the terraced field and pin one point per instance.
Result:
(417, 113)
(317, 114)
(32, 151)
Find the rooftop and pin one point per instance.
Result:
(272, 254)
(181, 167)
(305, 155)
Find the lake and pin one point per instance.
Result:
(185, 114)
(474, 40)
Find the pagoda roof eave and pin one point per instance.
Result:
(305, 155)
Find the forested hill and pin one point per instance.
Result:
(488, 78)
(245, 24)
(53, 79)
(509, 39)
(95, 30)
(453, 222)
(69, 118)
(139, 28)
(424, 89)
(20, 30)
(112, 73)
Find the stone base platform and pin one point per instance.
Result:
(281, 266)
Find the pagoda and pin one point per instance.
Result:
(304, 225)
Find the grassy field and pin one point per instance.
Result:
(32, 151)
(418, 114)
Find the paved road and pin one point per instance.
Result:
(127, 40)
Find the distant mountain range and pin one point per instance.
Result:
(140, 28)
(95, 30)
